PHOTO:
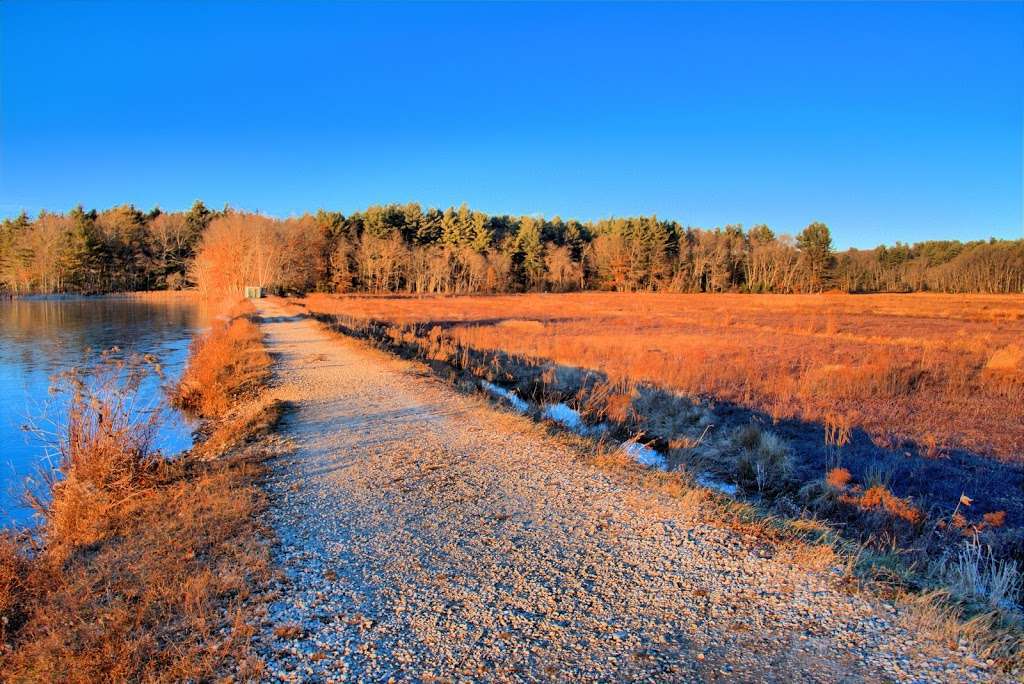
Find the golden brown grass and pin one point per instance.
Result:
(142, 566)
(938, 370)
(227, 364)
(944, 620)
(880, 498)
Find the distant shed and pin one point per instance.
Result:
(253, 292)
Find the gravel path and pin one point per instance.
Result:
(426, 536)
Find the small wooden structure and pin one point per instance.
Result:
(253, 292)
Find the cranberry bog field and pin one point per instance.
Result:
(895, 420)
(937, 373)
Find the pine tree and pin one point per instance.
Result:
(457, 226)
(430, 227)
(198, 218)
(83, 255)
(530, 252)
(815, 245)
(760, 235)
(481, 235)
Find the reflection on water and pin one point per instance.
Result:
(40, 338)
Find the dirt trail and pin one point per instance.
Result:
(424, 533)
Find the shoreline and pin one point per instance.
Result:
(143, 568)
(71, 297)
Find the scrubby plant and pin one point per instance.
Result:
(104, 452)
(752, 457)
(880, 498)
(764, 459)
(838, 478)
(973, 573)
(878, 474)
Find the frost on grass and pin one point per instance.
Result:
(974, 573)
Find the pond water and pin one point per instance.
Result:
(43, 337)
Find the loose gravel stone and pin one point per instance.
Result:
(425, 535)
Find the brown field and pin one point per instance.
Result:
(940, 372)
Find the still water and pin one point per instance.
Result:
(41, 338)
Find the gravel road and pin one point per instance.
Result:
(428, 536)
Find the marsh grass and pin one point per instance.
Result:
(142, 564)
(903, 368)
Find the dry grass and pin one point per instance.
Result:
(879, 497)
(838, 478)
(939, 369)
(704, 425)
(142, 565)
(227, 364)
(937, 615)
(974, 574)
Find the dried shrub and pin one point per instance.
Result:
(617, 407)
(838, 478)
(880, 498)
(995, 518)
(959, 521)
(105, 454)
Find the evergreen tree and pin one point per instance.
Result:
(198, 218)
(815, 245)
(760, 235)
(429, 229)
(530, 252)
(83, 255)
(457, 226)
(480, 231)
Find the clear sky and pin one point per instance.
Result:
(886, 121)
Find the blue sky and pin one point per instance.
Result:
(887, 121)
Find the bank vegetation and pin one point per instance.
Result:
(142, 561)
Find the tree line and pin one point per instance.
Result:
(402, 248)
(88, 252)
